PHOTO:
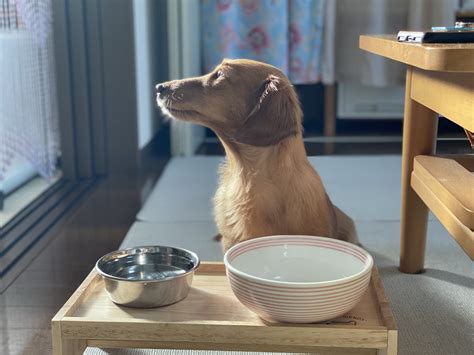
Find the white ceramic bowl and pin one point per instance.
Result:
(297, 278)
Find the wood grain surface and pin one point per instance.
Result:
(212, 318)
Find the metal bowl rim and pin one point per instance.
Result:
(116, 278)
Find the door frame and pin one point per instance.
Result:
(184, 57)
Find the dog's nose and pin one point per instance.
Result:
(160, 88)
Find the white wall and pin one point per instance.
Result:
(147, 125)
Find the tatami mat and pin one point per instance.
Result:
(195, 236)
(365, 187)
(184, 192)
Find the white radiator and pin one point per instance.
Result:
(360, 102)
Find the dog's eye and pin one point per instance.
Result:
(219, 74)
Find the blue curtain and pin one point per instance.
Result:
(285, 33)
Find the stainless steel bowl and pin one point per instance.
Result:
(148, 276)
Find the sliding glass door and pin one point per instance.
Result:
(29, 128)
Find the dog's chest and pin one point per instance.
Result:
(244, 208)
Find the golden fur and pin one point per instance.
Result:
(267, 185)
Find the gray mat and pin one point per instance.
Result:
(97, 351)
(184, 192)
(434, 310)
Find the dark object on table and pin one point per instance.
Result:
(461, 36)
(461, 32)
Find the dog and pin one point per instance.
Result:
(267, 185)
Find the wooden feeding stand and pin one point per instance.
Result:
(211, 318)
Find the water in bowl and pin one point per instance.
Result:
(149, 272)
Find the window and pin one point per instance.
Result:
(29, 130)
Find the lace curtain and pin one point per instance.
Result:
(28, 101)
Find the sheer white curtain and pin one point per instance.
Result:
(345, 20)
(28, 102)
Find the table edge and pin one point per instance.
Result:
(430, 58)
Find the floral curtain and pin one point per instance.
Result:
(285, 33)
(28, 101)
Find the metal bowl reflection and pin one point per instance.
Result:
(148, 276)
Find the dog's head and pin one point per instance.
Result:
(243, 101)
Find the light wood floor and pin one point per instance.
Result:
(94, 227)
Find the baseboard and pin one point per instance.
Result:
(158, 146)
(27, 234)
(153, 159)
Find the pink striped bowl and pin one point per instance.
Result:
(298, 278)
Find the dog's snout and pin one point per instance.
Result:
(161, 89)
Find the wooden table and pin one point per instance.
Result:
(439, 81)
(211, 318)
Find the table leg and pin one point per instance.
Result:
(419, 137)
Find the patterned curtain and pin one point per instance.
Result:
(285, 33)
(28, 101)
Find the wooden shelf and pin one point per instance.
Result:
(212, 318)
(446, 186)
(452, 182)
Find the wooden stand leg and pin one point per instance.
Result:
(419, 137)
(392, 344)
(62, 346)
(71, 347)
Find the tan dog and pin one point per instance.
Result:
(267, 185)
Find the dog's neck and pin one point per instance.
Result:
(253, 162)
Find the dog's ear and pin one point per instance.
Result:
(275, 116)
